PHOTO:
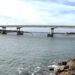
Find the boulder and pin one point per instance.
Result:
(59, 70)
(65, 73)
(62, 63)
(67, 69)
(51, 68)
(71, 64)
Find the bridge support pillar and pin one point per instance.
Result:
(4, 30)
(19, 32)
(52, 33)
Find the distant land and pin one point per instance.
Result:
(68, 33)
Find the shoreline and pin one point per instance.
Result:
(65, 68)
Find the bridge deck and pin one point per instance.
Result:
(39, 26)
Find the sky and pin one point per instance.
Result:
(42, 12)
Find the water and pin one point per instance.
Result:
(23, 55)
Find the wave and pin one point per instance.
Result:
(37, 71)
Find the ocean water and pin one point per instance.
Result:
(33, 53)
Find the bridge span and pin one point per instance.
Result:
(18, 27)
(40, 26)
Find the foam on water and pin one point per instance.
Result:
(37, 71)
(53, 66)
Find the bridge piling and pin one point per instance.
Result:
(4, 30)
(52, 33)
(19, 32)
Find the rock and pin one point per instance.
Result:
(62, 63)
(51, 68)
(71, 64)
(67, 69)
(59, 70)
(65, 73)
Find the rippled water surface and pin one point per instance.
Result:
(22, 55)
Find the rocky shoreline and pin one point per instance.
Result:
(65, 68)
(62, 68)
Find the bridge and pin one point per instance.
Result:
(18, 27)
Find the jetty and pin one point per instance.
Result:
(19, 32)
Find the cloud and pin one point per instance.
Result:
(53, 12)
(71, 0)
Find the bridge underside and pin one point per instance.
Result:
(4, 31)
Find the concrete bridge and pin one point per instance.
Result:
(18, 27)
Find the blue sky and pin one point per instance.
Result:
(51, 12)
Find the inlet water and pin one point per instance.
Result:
(23, 55)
